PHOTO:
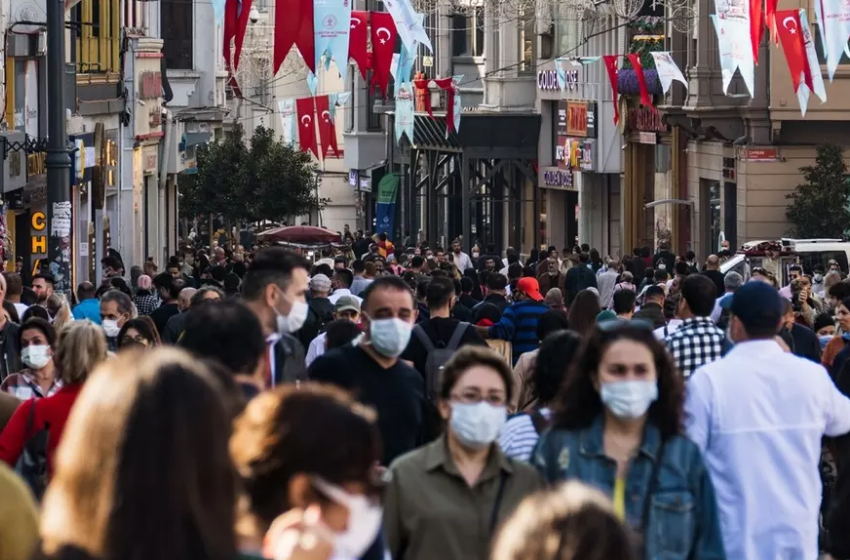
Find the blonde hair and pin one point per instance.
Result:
(81, 347)
(60, 310)
(571, 522)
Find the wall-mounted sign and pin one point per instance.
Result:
(581, 119)
(561, 129)
(38, 239)
(645, 120)
(579, 153)
(150, 159)
(760, 154)
(647, 138)
(558, 178)
(148, 93)
(547, 80)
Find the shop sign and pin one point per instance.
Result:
(647, 138)
(547, 80)
(558, 178)
(561, 155)
(150, 159)
(581, 119)
(760, 154)
(645, 120)
(562, 119)
(148, 110)
(38, 238)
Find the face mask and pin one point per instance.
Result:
(818, 278)
(287, 324)
(477, 425)
(475, 255)
(111, 328)
(364, 520)
(36, 356)
(662, 267)
(389, 337)
(629, 399)
(824, 340)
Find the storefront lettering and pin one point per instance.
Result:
(547, 80)
(558, 178)
(38, 221)
(646, 120)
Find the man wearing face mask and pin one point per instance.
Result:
(372, 369)
(116, 308)
(275, 289)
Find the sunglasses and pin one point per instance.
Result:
(613, 325)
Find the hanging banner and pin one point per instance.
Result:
(337, 100)
(560, 73)
(458, 109)
(332, 25)
(611, 67)
(645, 99)
(815, 75)
(383, 45)
(312, 83)
(306, 125)
(218, 10)
(357, 40)
(756, 28)
(243, 10)
(408, 23)
(732, 24)
(293, 24)
(289, 128)
(404, 114)
(668, 70)
(834, 24)
(385, 204)
(798, 46)
(770, 18)
(402, 67)
(231, 21)
(327, 127)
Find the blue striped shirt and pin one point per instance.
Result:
(519, 436)
(519, 326)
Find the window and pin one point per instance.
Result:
(468, 33)
(567, 31)
(373, 121)
(176, 23)
(527, 43)
(97, 36)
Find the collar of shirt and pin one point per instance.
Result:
(761, 349)
(30, 379)
(339, 292)
(590, 439)
(439, 457)
(697, 321)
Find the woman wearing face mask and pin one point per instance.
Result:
(307, 459)
(39, 378)
(445, 500)
(138, 333)
(617, 426)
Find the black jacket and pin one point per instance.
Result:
(578, 278)
(652, 312)
(320, 313)
(289, 364)
(10, 345)
(498, 300)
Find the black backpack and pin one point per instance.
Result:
(437, 357)
(34, 457)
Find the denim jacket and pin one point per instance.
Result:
(683, 520)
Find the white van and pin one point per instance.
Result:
(805, 252)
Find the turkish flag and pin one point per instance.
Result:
(770, 12)
(306, 125)
(327, 127)
(288, 19)
(306, 39)
(244, 9)
(383, 45)
(756, 27)
(644, 93)
(791, 36)
(357, 40)
(611, 67)
(231, 19)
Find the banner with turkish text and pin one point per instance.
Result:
(404, 113)
(385, 204)
(357, 40)
(734, 42)
(289, 128)
(611, 67)
(332, 25)
(408, 23)
(834, 27)
(383, 45)
(306, 125)
(815, 75)
(668, 70)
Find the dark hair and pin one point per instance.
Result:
(440, 292)
(466, 284)
(345, 276)
(556, 355)
(671, 305)
(496, 281)
(273, 265)
(515, 271)
(12, 311)
(314, 430)
(840, 290)
(583, 312)
(682, 268)
(795, 268)
(86, 290)
(198, 297)
(120, 284)
(579, 404)
(552, 321)
(699, 293)
(164, 281)
(323, 268)
(48, 278)
(623, 301)
(383, 283)
(660, 275)
(822, 320)
(358, 266)
(14, 283)
(218, 273)
(584, 258)
(38, 324)
(226, 332)
(469, 356)
(690, 255)
(417, 261)
(146, 328)
(648, 273)
(35, 312)
(340, 332)
(487, 311)
(653, 292)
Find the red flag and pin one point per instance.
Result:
(771, 6)
(357, 41)
(305, 40)
(287, 22)
(790, 33)
(644, 93)
(756, 27)
(231, 17)
(306, 125)
(327, 128)
(241, 27)
(611, 66)
(383, 45)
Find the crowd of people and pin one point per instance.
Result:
(412, 403)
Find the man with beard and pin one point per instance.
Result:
(42, 285)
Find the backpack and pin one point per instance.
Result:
(34, 456)
(320, 317)
(437, 357)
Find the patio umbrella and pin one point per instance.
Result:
(300, 234)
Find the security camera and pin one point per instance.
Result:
(254, 15)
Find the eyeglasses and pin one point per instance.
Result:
(475, 397)
(613, 325)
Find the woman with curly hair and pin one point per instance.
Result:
(617, 425)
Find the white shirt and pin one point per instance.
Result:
(316, 349)
(462, 261)
(758, 416)
(339, 292)
(672, 326)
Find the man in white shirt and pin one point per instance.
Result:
(346, 308)
(461, 259)
(341, 285)
(758, 415)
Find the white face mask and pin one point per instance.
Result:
(389, 337)
(629, 399)
(36, 356)
(475, 255)
(111, 328)
(477, 425)
(364, 520)
(287, 324)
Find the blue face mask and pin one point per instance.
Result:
(824, 340)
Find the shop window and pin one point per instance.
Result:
(567, 31)
(97, 36)
(373, 120)
(177, 22)
(468, 33)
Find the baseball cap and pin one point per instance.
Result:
(320, 283)
(531, 287)
(347, 303)
(756, 304)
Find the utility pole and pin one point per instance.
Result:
(58, 161)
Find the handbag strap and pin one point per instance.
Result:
(30, 419)
(653, 486)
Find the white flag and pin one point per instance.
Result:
(834, 26)
(668, 71)
(813, 66)
(408, 23)
(287, 121)
(732, 23)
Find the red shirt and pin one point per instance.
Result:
(53, 410)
